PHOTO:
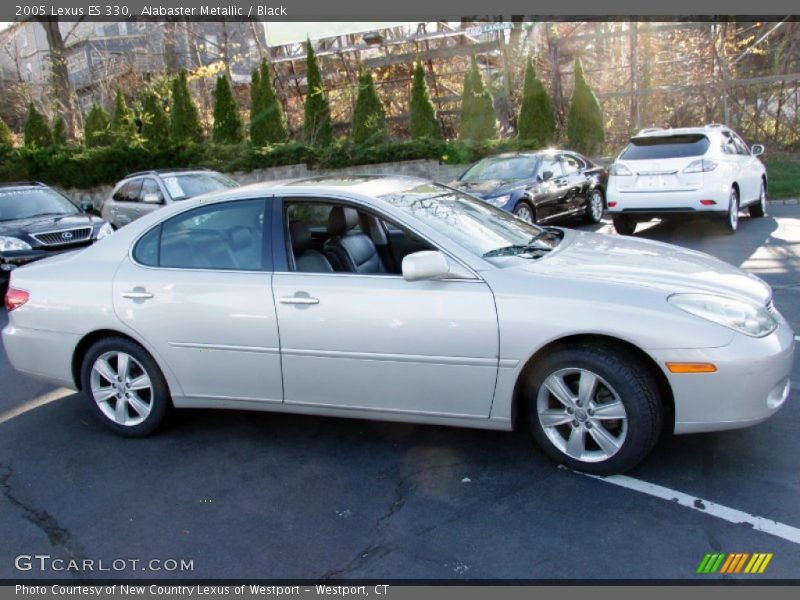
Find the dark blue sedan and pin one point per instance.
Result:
(539, 187)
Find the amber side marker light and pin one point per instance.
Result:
(675, 367)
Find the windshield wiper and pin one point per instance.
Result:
(534, 245)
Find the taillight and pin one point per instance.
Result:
(701, 166)
(16, 298)
(619, 170)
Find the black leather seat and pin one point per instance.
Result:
(306, 260)
(350, 251)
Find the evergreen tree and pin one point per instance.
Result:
(369, 116)
(276, 127)
(59, 131)
(478, 121)
(37, 131)
(423, 122)
(6, 139)
(155, 124)
(317, 128)
(97, 128)
(184, 124)
(227, 122)
(267, 121)
(123, 124)
(585, 119)
(536, 122)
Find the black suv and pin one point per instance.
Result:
(37, 221)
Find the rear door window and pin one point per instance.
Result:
(666, 146)
(129, 192)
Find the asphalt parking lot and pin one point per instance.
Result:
(259, 495)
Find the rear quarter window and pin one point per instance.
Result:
(673, 146)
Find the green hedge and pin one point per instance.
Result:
(81, 168)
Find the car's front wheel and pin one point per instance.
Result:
(595, 205)
(525, 212)
(125, 387)
(593, 408)
(624, 225)
(759, 209)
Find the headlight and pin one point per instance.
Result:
(499, 200)
(12, 243)
(744, 317)
(104, 231)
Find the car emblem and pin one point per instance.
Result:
(67, 235)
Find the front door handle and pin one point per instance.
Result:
(299, 300)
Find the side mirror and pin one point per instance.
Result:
(86, 206)
(757, 150)
(547, 175)
(427, 264)
(151, 198)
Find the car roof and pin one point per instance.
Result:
(162, 172)
(22, 184)
(704, 129)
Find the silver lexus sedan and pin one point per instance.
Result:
(404, 300)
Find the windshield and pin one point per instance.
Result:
(182, 187)
(33, 202)
(662, 146)
(472, 223)
(517, 167)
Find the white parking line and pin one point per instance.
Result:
(797, 338)
(47, 398)
(732, 515)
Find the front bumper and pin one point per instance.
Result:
(752, 382)
(658, 203)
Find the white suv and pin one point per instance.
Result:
(708, 169)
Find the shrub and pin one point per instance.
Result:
(123, 125)
(267, 120)
(478, 121)
(369, 117)
(37, 132)
(422, 122)
(6, 139)
(227, 122)
(536, 122)
(59, 131)
(184, 123)
(97, 128)
(317, 128)
(585, 119)
(155, 124)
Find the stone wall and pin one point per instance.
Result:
(430, 169)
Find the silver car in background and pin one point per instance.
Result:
(401, 299)
(143, 192)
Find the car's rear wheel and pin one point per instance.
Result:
(525, 212)
(595, 205)
(624, 225)
(125, 387)
(732, 217)
(594, 408)
(759, 209)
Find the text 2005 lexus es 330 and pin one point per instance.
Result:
(402, 299)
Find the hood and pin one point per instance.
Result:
(630, 261)
(47, 223)
(490, 187)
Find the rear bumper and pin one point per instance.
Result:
(752, 382)
(652, 203)
(45, 355)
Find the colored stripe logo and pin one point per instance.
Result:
(734, 563)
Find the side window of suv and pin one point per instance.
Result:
(571, 164)
(151, 192)
(741, 147)
(728, 145)
(128, 192)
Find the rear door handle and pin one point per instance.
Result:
(137, 295)
(299, 300)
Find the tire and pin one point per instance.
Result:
(624, 225)
(523, 210)
(731, 219)
(144, 393)
(759, 209)
(622, 408)
(595, 205)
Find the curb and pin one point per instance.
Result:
(784, 201)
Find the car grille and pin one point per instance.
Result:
(67, 237)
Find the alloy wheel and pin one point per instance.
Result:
(524, 212)
(121, 388)
(596, 205)
(582, 415)
(733, 211)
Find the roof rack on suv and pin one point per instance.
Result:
(162, 171)
(21, 183)
(715, 126)
(650, 130)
